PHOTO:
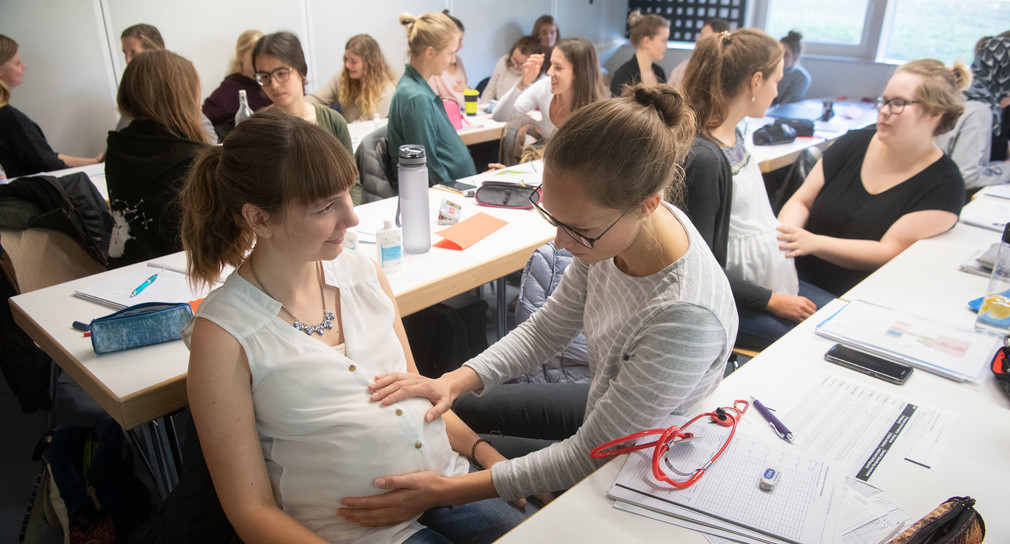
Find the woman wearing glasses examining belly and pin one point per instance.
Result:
(876, 191)
(281, 70)
(654, 304)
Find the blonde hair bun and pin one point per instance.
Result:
(962, 76)
(407, 19)
(634, 17)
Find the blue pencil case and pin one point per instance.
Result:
(140, 325)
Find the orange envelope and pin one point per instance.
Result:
(469, 231)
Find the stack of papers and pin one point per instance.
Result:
(727, 500)
(986, 213)
(982, 262)
(951, 352)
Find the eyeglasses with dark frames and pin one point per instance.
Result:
(896, 105)
(279, 75)
(582, 239)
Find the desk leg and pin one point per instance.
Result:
(502, 307)
(159, 447)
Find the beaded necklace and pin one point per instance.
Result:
(307, 329)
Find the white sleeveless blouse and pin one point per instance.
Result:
(321, 436)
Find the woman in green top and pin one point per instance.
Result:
(281, 70)
(416, 115)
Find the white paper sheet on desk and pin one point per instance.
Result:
(115, 292)
(868, 430)
(997, 191)
(802, 508)
(986, 213)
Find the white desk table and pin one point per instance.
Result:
(476, 129)
(924, 279)
(773, 157)
(142, 385)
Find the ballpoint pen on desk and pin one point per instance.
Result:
(144, 285)
(779, 427)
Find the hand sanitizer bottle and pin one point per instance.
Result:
(390, 247)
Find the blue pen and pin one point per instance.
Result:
(779, 427)
(144, 285)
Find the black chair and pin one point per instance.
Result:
(482, 85)
(797, 173)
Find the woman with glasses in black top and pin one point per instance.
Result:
(281, 70)
(877, 191)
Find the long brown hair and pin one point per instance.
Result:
(625, 149)
(940, 90)
(8, 48)
(271, 160)
(367, 91)
(164, 87)
(246, 42)
(720, 66)
(587, 83)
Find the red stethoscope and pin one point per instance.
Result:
(727, 416)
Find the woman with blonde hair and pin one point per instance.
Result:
(878, 190)
(364, 87)
(222, 104)
(649, 35)
(24, 149)
(656, 308)
(731, 76)
(416, 115)
(452, 82)
(278, 401)
(573, 82)
(147, 161)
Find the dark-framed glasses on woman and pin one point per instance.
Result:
(896, 105)
(279, 75)
(582, 239)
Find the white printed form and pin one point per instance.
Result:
(727, 500)
(867, 429)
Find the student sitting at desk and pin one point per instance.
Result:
(416, 115)
(795, 78)
(655, 306)
(649, 35)
(876, 191)
(281, 70)
(222, 104)
(509, 68)
(573, 82)
(364, 88)
(732, 76)
(23, 148)
(969, 144)
(278, 400)
(147, 161)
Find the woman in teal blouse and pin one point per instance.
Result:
(416, 115)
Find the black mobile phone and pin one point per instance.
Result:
(877, 367)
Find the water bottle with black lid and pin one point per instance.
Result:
(413, 208)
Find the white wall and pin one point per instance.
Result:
(74, 60)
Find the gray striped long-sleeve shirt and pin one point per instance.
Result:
(657, 345)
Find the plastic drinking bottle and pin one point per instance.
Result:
(994, 315)
(415, 222)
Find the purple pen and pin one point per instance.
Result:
(779, 427)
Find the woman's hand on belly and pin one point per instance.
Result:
(396, 386)
(409, 496)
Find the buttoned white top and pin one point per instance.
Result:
(321, 436)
